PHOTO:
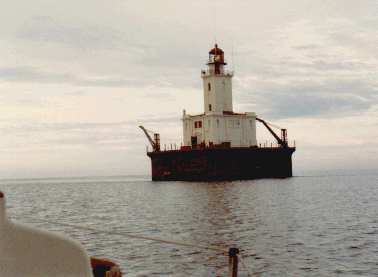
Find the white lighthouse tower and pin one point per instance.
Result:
(218, 125)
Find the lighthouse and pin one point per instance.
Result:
(220, 144)
(218, 125)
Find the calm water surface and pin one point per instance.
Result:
(315, 224)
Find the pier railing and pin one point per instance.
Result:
(172, 147)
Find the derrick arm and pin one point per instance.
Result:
(281, 142)
(155, 144)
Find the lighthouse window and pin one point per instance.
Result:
(210, 107)
(209, 86)
(197, 124)
(234, 123)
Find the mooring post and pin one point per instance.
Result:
(233, 262)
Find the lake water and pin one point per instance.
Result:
(314, 224)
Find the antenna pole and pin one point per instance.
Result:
(232, 54)
(215, 33)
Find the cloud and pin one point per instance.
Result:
(77, 34)
(89, 132)
(110, 81)
(76, 93)
(306, 47)
(36, 136)
(30, 74)
(312, 71)
(334, 98)
(81, 76)
(158, 96)
(23, 102)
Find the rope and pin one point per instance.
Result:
(244, 264)
(122, 234)
(275, 126)
(267, 123)
(135, 236)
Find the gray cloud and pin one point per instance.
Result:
(157, 95)
(77, 93)
(23, 102)
(30, 74)
(83, 36)
(111, 82)
(274, 70)
(306, 47)
(336, 98)
(327, 66)
(12, 126)
(156, 78)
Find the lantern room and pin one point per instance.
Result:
(216, 60)
(216, 55)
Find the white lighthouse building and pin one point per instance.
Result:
(219, 125)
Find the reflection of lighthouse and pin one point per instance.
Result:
(219, 124)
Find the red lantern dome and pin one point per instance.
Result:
(216, 55)
(216, 50)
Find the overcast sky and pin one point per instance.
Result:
(77, 78)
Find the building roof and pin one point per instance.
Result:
(216, 50)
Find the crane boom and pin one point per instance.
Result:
(155, 144)
(282, 141)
